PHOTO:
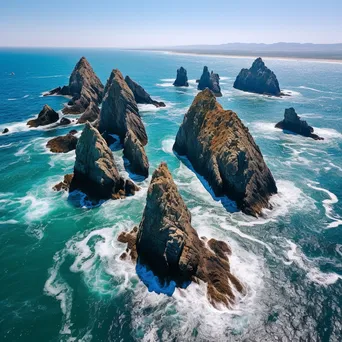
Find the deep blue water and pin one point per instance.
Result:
(61, 275)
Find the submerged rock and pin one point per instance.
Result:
(91, 114)
(166, 243)
(140, 94)
(222, 150)
(6, 130)
(182, 78)
(84, 88)
(293, 123)
(46, 116)
(119, 111)
(62, 144)
(95, 172)
(258, 79)
(210, 81)
(135, 153)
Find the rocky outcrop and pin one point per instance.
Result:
(222, 150)
(95, 172)
(293, 123)
(258, 79)
(140, 94)
(65, 184)
(210, 81)
(63, 144)
(6, 130)
(64, 122)
(84, 88)
(167, 244)
(91, 114)
(135, 153)
(119, 111)
(182, 78)
(47, 116)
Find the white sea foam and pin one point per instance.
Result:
(168, 84)
(319, 91)
(167, 145)
(311, 116)
(328, 206)
(9, 222)
(37, 208)
(6, 145)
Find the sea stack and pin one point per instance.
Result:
(95, 172)
(119, 111)
(210, 81)
(84, 88)
(167, 244)
(140, 94)
(222, 150)
(258, 79)
(63, 144)
(182, 78)
(135, 153)
(46, 116)
(293, 123)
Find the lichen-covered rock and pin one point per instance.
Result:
(182, 78)
(293, 123)
(210, 81)
(62, 144)
(258, 79)
(91, 114)
(222, 150)
(46, 116)
(119, 111)
(140, 94)
(135, 153)
(95, 172)
(168, 245)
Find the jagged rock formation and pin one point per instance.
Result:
(140, 94)
(6, 130)
(119, 111)
(91, 114)
(63, 144)
(65, 184)
(258, 79)
(222, 150)
(95, 172)
(64, 122)
(135, 153)
(84, 88)
(167, 243)
(293, 123)
(182, 78)
(46, 116)
(210, 81)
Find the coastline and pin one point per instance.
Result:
(251, 56)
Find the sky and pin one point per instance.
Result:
(160, 23)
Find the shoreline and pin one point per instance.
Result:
(251, 56)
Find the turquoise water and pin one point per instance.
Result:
(61, 275)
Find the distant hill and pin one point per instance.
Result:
(296, 50)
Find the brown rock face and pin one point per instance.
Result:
(91, 114)
(65, 184)
(168, 244)
(62, 144)
(135, 153)
(47, 116)
(119, 111)
(222, 150)
(140, 94)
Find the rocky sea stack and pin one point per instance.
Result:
(293, 123)
(166, 243)
(135, 153)
(46, 116)
(95, 172)
(258, 79)
(140, 94)
(222, 150)
(119, 111)
(210, 81)
(63, 144)
(84, 88)
(182, 78)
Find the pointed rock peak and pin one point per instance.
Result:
(182, 78)
(205, 69)
(258, 63)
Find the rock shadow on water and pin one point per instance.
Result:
(79, 199)
(133, 176)
(227, 203)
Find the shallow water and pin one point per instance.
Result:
(62, 278)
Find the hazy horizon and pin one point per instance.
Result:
(150, 24)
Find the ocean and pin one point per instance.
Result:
(62, 278)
